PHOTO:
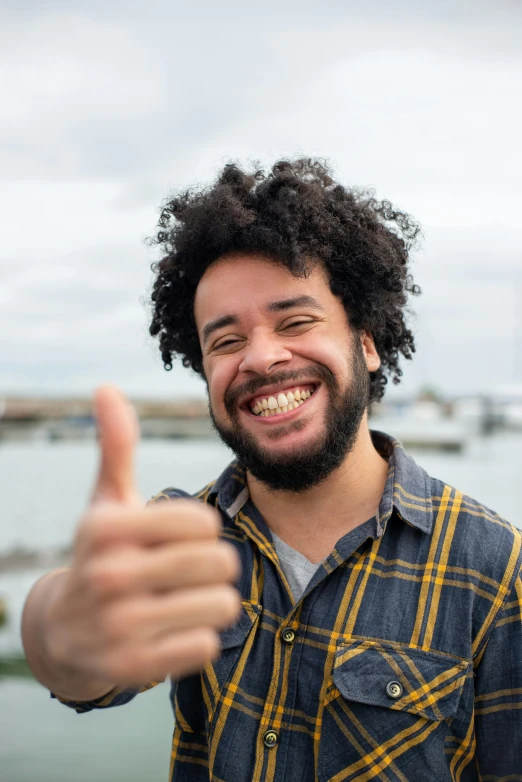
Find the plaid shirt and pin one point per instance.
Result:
(402, 660)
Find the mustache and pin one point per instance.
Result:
(251, 387)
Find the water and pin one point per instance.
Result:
(44, 741)
(43, 491)
(44, 487)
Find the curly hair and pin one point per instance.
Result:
(297, 215)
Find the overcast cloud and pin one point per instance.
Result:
(108, 107)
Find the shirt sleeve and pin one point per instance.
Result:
(498, 694)
(118, 696)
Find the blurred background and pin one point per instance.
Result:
(108, 107)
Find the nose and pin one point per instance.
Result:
(264, 351)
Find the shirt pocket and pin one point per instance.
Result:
(386, 705)
(196, 696)
(233, 653)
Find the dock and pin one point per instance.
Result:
(33, 418)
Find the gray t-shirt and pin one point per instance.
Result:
(296, 567)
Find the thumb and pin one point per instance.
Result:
(118, 433)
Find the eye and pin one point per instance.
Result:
(298, 323)
(225, 344)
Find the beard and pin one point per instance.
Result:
(301, 469)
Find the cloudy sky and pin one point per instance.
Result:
(110, 106)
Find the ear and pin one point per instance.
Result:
(373, 361)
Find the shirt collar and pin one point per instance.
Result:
(407, 490)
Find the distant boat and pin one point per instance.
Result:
(423, 425)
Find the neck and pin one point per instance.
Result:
(313, 521)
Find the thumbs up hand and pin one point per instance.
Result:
(149, 586)
(118, 436)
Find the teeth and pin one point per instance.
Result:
(282, 401)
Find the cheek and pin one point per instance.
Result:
(331, 353)
(219, 376)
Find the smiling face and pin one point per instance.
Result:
(287, 376)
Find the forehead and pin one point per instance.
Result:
(245, 284)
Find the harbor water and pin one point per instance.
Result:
(43, 489)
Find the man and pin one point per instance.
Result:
(379, 627)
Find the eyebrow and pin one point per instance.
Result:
(273, 306)
(218, 323)
(297, 301)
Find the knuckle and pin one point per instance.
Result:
(211, 561)
(119, 578)
(218, 561)
(203, 516)
(204, 646)
(92, 577)
(210, 645)
(229, 603)
(230, 561)
(211, 517)
(104, 577)
(97, 578)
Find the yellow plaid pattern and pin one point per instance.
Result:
(407, 658)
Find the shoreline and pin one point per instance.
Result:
(20, 560)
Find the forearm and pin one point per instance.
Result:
(63, 679)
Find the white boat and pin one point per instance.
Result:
(423, 425)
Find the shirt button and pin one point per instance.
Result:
(288, 636)
(394, 690)
(270, 738)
